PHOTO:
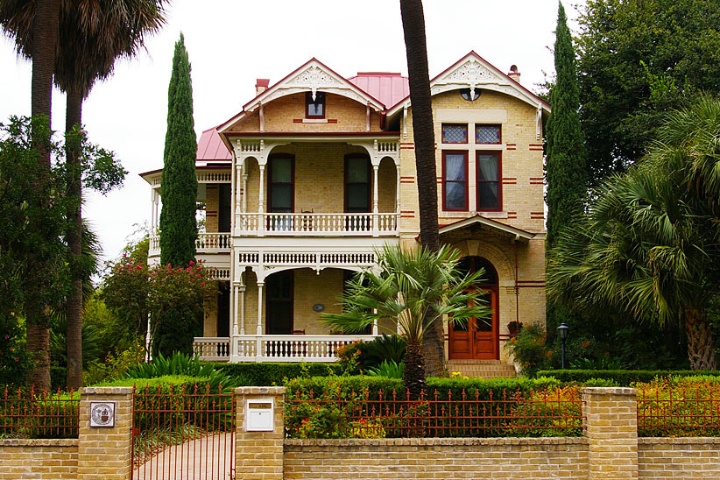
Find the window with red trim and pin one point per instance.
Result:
(489, 192)
(455, 185)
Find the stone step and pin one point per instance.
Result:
(481, 368)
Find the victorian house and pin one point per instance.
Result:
(317, 171)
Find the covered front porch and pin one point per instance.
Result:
(274, 348)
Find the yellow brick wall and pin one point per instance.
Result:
(105, 453)
(259, 455)
(437, 458)
(212, 207)
(690, 458)
(286, 114)
(522, 158)
(38, 459)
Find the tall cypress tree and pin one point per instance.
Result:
(178, 228)
(566, 165)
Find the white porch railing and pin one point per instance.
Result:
(205, 243)
(324, 224)
(275, 348)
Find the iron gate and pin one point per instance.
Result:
(183, 435)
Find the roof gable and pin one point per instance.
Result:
(473, 71)
(312, 77)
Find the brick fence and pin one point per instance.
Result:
(609, 450)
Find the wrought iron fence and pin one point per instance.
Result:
(25, 413)
(555, 413)
(183, 433)
(679, 412)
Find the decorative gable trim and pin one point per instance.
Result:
(312, 77)
(472, 71)
(515, 233)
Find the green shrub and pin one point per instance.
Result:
(47, 415)
(274, 374)
(529, 349)
(390, 369)
(182, 364)
(323, 407)
(679, 407)
(359, 357)
(623, 378)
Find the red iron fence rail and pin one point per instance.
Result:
(183, 433)
(679, 412)
(25, 413)
(557, 413)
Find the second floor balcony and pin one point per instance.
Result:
(317, 224)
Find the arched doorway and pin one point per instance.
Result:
(478, 339)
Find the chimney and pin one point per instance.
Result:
(514, 73)
(261, 84)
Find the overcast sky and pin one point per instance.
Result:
(231, 43)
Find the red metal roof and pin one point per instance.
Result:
(389, 88)
(211, 148)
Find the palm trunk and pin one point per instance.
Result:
(74, 302)
(413, 19)
(414, 373)
(45, 32)
(700, 343)
(38, 346)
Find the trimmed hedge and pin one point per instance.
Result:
(274, 374)
(445, 387)
(621, 378)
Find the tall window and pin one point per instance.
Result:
(357, 184)
(281, 189)
(315, 107)
(488, 179)
(455, 187)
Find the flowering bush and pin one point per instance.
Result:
(173, 297)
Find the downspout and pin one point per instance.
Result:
(517, 287)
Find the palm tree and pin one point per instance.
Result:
(413, 290)
(650, 246)
(34, 27)
(413, 20)
(93, 35)
(87, 38)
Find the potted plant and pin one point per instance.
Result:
(514, 328)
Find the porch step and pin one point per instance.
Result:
(481, 368)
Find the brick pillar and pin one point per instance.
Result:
(259, 442)
(104, 448)
(611, 415)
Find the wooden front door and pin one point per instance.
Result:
(478, 339)
(279, 304)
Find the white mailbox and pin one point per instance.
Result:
(260, 415)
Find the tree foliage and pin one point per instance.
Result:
(413, 290)
(178, 229)
(566, 170)
(649, 246)
(637, 60)
(33, 232)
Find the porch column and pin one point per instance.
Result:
(376, 210)
(240, 309)
(260, 309)
(261, 200)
